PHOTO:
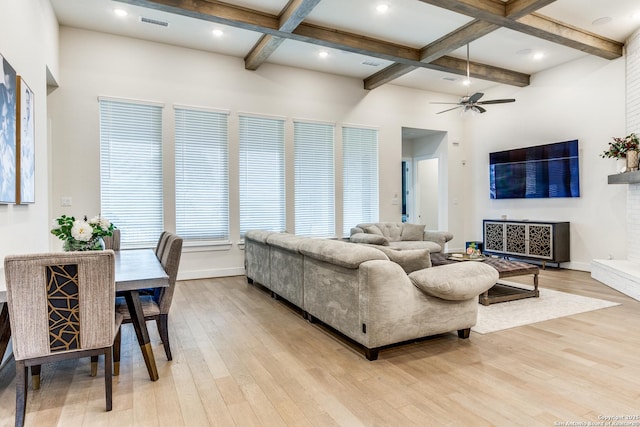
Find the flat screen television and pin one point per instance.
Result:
(550, 170)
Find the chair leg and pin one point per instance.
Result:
(116, 352)
(21, 392)
(35, 376)
(94, 366)
(163, 329)
(108, 380)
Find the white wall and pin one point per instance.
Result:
(93, 64)
(29, 40)
(583, 99)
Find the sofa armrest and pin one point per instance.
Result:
(461, 281)
(372, 239)
(440, 237)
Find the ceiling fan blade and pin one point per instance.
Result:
(444, 111)
(475, 97)
(479, 109)
(497, 101)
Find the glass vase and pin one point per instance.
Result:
(95, 244)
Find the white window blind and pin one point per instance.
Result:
(262, 192)
(360, 176)
(202, 175)
(314, 179)
(131, 170)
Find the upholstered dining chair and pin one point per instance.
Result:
(156, 307)
(61, 306)
(113, 241)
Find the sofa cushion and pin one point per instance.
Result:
(340, 253)
(372, 239)
(461, 281)
(412, 232)
(410, 260)
(372, 229)
(286, 241)
(258, 235)
(410, 244)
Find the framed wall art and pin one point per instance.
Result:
(7, 133)
(25, 145)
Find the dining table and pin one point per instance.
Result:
(135, 269)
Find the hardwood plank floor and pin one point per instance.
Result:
(242, 358)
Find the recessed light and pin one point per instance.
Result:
(466, 82)
(538, 56)
(323, 54)
(217, 32)
(120, 12)
(602, 21)
(382, 8)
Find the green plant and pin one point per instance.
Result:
(77, 232)
(619, 147)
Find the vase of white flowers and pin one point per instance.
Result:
(82, 234)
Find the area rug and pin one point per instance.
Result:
(550, 305)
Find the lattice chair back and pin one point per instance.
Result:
(60, 302)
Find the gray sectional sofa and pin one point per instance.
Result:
(360, 292)
(400, 236)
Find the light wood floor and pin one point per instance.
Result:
(242, 358)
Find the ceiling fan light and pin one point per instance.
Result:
(382, 8)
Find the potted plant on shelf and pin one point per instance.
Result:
(624, 148)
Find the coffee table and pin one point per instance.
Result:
(501, 291)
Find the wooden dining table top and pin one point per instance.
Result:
(135, 269)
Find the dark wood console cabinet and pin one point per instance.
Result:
(540, 240)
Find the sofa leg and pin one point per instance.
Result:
(464, 333)
(274, 295)
(249, 280)
(310, 318)
(371, 353)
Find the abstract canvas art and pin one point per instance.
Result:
(25, 145)
(7, 132)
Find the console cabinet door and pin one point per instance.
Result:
(494, 236)
(540, 241)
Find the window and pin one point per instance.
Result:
(202, 175)
(360, 176)
(262, 192)
(314, 179)
(131, 169)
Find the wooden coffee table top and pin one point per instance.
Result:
(505, 267)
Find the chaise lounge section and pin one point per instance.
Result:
(358, 291)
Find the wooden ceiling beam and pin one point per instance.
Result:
(292, 16)
(452, 41)
(533, 24)
(464, 35)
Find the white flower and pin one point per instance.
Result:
(101, 221)
(81, 231)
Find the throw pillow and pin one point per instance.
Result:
(410, 260)
(372, 239)
(373, 229)
(412, 232)
(461, 281)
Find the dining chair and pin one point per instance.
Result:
(61, 306)
(156, 307)
(113, 241)
(162, 242)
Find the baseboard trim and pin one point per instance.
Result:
(211, 273)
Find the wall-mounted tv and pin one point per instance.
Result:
(550, 170)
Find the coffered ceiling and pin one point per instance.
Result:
(415, 43)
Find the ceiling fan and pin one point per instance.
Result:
(472, 103)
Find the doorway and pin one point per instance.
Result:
(424, 172)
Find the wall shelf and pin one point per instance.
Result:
(625, 178)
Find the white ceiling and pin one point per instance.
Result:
(408, 22)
